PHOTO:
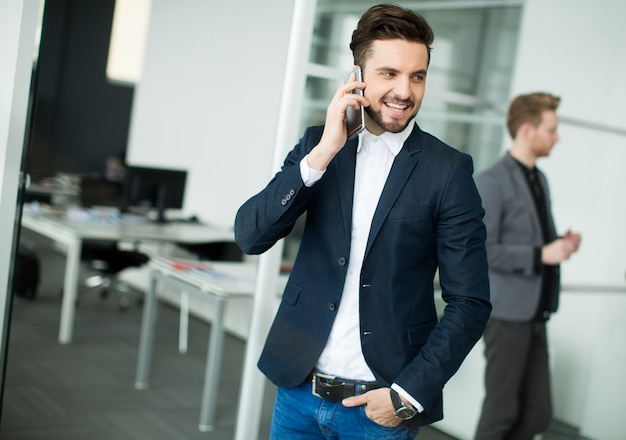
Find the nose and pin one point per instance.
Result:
(402, 88)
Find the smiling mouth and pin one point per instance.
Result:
(395, 107)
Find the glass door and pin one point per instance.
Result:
(20, 26)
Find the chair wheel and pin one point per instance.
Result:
(124, 303)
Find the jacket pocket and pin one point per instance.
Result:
(418, 334)
(291, 294)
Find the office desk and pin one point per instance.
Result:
(56, 193)
(217, 282)
(71, 233)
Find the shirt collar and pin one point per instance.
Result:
(393, 141)
(524, 168)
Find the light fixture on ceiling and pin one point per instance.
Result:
(128, 40)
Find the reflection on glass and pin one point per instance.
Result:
(469, 76)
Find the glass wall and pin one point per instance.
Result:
(469, 76)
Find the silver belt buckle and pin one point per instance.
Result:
(314, 382)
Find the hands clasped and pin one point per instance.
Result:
(560, 249)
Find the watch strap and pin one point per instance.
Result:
(401, 410)
(395, 399)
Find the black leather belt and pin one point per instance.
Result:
(337, 389)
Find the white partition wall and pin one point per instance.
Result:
(580, 58)
(208, 101)
(209, 97)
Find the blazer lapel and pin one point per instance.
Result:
(402, 167)
(519, 181)
(546, 195)
(345, 165)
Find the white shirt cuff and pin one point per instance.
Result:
(408, 397)
(309, 175)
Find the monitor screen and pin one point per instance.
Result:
(155, 188)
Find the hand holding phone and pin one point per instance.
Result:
(355, 119)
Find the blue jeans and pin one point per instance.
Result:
(299, 415)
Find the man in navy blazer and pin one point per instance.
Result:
(356, 348)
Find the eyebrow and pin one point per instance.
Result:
(394, 70)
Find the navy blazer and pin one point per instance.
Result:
(429, 217)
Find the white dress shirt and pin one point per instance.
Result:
(342, 355)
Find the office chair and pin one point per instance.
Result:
(105, 260)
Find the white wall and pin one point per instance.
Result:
(209, 102)
(574, 50)
(209, 98)
(581, 59)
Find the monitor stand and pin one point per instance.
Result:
(160, 206)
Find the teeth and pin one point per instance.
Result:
(396, 106)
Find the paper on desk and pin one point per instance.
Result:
(237, 278)
(178, 263)
(95, 215)
(213, 272)
(188, 265)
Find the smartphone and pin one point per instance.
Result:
(355, 119)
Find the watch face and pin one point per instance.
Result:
(405, 413)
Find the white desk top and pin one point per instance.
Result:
(62, 227)
(219, 278)
(223, 279)
(70, 232)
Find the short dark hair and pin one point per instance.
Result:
(529, 109)
(387, 22)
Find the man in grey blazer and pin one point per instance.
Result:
(524, 253)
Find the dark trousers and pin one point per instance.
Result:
(518, 402)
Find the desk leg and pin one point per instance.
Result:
(146, 342)
(183, 324)
(70, 287)
(212, 369)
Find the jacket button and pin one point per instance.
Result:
(341, 261)
(331, 307)
(283, 202)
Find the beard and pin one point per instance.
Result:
(393, 126)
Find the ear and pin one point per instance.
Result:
(525, 130)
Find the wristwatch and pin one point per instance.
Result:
(401, 409)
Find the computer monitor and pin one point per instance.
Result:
(155, 188)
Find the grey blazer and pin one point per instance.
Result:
(513, 234)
